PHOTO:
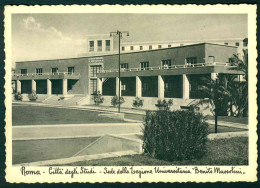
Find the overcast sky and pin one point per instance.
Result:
(50, 36)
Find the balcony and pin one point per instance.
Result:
(43, 76)
(198, 68)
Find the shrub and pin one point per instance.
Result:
(32, 96)
(138, 102)
(115, 100)
(18, 96)
(175, 135)
(98, 99)
(163, 104)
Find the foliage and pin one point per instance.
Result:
(228, 92)
(18, 96)
(163, 104)
(97, 98)
(217, 95)
(138, 102)
(115, 100)
(32, 96)
(239, 89)
(175, 135)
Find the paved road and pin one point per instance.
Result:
(74, 130)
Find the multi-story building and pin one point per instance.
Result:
(173, 72)
(106, 44)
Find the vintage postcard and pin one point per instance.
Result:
(147, 93)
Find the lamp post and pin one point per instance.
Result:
(119, 34)
(216, 106)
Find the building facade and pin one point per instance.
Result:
(105, 44)
(173, 72)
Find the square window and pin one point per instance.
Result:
(132, 48)
(38, 71)
(70, 70)
(124, 65)
(159, 46)
(54, 70)
(144, 65)
(23, 71)
(94, 69)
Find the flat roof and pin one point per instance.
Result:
(184, 46)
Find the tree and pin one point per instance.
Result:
(217, 95)
(229, 92)
(238, 88)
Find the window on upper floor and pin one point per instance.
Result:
(237, 43)
(99, 45)
(91, 46)
(94, 69)
(54, 70)
(23, 71)
(123, 48)
(144, 65)
(167, 63)
(150, 47)
(124, 65)
(191, 60)
(159, 46)
(169, 45)
(141, 47)
(245, 42)
(132, 48)
(38, 71)
(211, 59)
(70, 70)
(107, 45)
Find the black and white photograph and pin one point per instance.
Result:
(131, 93)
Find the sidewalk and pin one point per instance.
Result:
(37, 132)
(228, 124)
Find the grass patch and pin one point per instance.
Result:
(232, 151)
(40, 115)
(40, 150)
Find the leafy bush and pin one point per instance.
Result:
(138, 102)
(175, 135)
(98, 99)
(115, 101)
(163, 104)
(32, 96)
(18, 96)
